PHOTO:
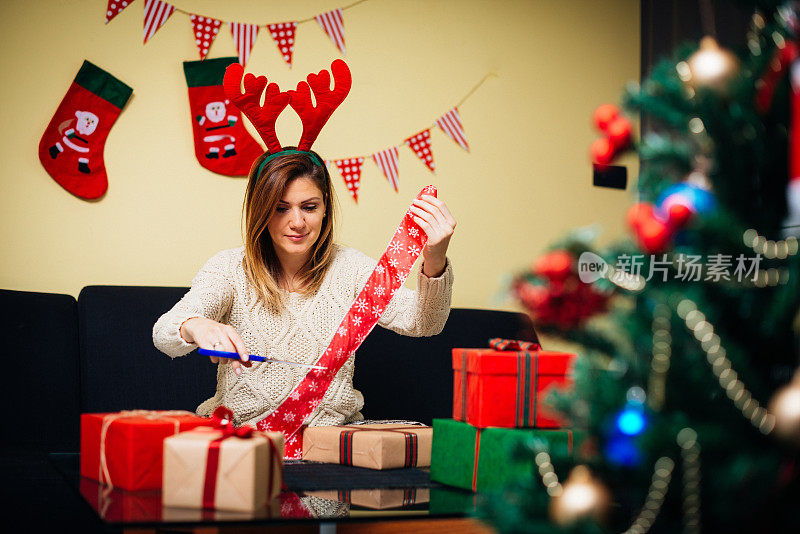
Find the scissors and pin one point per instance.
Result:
(253, 358)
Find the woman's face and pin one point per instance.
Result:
(297, 222)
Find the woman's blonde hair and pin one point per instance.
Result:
(264, 190)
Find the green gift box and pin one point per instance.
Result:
(483, 459)
(447, 500)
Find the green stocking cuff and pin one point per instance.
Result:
(96, 80)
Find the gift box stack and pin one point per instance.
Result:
(499, 402)
(197, 462)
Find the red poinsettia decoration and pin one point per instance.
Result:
(554, 294)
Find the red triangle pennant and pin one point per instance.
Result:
(351, 172)
(205, 30)
(420, 144)
(283, 34)
(115, 7)
(156, 14)
(386, 160)
(450, 123)
(244, 37)
(332, 24)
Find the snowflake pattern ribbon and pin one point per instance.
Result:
(392, 270)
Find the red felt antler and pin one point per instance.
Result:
(315, 117)
(249, 102)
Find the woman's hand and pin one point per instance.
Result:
(432, 215)
(208, 334)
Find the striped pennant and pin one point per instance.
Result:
(450, 123)
(351, 172)
(205, 30)
(386, 160)
(244, 37)
(420, 144)
(333, 25)
(283, 35)
(156, 14)
(115, 7)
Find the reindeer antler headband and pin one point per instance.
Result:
(264, 116)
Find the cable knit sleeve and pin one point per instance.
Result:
(417, 313)
(210, 296)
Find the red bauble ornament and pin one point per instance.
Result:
(556, 265)
(603, 116)
(652, 233)
(678, 215)
(602, 151)
(619, 132)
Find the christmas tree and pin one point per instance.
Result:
(687, 386)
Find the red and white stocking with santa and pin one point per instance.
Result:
(221, 142)
(71, 149)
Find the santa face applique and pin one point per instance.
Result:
(218, 127)
(75, 136)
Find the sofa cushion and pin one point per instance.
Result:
(120, 367)
(41, 386)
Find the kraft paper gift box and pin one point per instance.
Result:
(374, 446)
(508, 388)
(204, 468)
(131, 443)
(482, 459)
(376, 499)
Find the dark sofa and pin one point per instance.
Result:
(96, 355)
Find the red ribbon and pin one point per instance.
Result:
(477, 457)
(222, 420)
(390, 273)
(513, 344)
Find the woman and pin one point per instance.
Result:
(285, 292)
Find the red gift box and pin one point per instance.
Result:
(505, 386)
(132, 443)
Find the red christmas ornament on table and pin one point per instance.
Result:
(619, 132)
(603, 116)
(602, 151)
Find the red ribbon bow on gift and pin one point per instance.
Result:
(513, 344)
(222, 419)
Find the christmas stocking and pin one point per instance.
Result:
(71, 148)
(221, 143)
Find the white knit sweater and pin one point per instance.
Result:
(300, 332)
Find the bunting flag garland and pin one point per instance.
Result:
(115, 7)
(205, 31)
(350, 169)
(332, 24)
(450, 123)
(283, 35)
(156, 13)
(244, 37)
(421, 145)
(386, 160)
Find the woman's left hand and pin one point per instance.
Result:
(432, 215)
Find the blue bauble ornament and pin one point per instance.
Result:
(698, 200)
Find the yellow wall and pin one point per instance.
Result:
(526, 181)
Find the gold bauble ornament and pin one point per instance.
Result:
(785, 406)
(583, 496)
(710, 67)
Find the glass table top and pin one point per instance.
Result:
(308, 501)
